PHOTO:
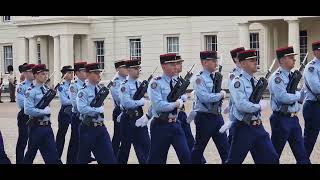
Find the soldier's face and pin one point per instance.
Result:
(69, 76)
(42, 77)
(210, 65)
(317, 54)
(250, 65)
(94, 77)
(179, 67)
(123, 71)
(29, 76)
(81, 74)
(169, 69)
(288, 62)
(134, 72)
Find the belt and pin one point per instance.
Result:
(134, 113)
(288, 114)
(38, 121)
(253, 122)
(93, 124)
(164, 121)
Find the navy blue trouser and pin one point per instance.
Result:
(283, 129)
(3, 156)
(163, 135)
(64, 120)
(73, 148)
(22, 136)
(254, 139)
(137, 136)
(42, 138)
(97, 141)
(182, 117)
(116, 140)
(311, 114)
(207, 126)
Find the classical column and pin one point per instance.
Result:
(56, 58)
(22, 50)
(33, 58)
(244, 35)
(44, 50)
(293, 38)
(66, 49)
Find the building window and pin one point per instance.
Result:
(135, 48)
(8, 58)
(100, 53)
(6, 18)
(173, 45)
(254, 44)
(38, 53)
(211, 43)
(303, 44)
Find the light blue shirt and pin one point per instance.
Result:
(312, 78)
(241, 90)
(21, 90)
(127, 90)
(33, 95)
(74, 88)
(278, 83)
(64, 93)
(158, 91)
(235, 72)
(205, 95)
(115, 88)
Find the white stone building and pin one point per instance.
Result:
(62, 40)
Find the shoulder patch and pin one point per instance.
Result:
(60, 88)
(237, 84)
(198, 80)
(311, 69)
(154, 85)
(19, 90)
(277, 80)
(72, 89)
(27, 94)
(80, 95)
(123, 89)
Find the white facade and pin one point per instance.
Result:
(67, 39)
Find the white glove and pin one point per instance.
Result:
(263, 104)
(46, 110)
(141, 102)
(191, 116)
(225, 127)
(302, 95)
(180, 103)
(100, 109)
(142, 121)
(119, 117)
(184, 97)
(226, 110)
(223, 93)
(148, 125)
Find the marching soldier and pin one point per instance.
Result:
(21, 69)
(12, 83)
(65, 114)
(166, 130)
(94, 136)
(40, 132)
(81, 76)
(132, 112)
(285, 124)
(249, 137)
(206, 120)
(3, 156)
(311, 108)
(26, 71)
(122, 73)
(235, 72)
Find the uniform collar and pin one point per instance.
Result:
(246, 75)
(66, 82)
(167, 78)
(27, 81)
(79, 81)
(38, 85)
(121, 77)
(238, 69)
(284, 71)
(131, 79)
(316, 60)
(89, 85)
(206, 72)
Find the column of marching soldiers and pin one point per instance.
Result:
(166, 122)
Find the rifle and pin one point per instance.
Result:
(217, 84)
(257, 92)
(143, 87)
(178, 90)
(49, 95)
(101, 96)
(293, 82)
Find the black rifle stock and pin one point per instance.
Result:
(143, 87)
(101, 96)
(294, 82)
(217, 87)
